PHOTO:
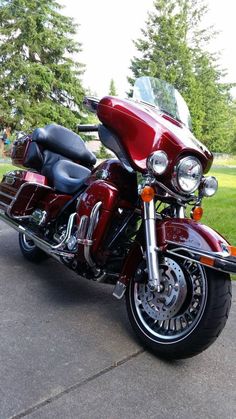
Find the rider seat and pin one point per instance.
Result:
(68, 177)
(51, 151)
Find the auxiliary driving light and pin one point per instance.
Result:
(209, 186)
(157, 162)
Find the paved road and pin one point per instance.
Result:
(67, 351)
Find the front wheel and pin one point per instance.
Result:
(188, 314)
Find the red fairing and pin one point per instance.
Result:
(141, 130)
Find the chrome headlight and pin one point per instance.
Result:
(209, 186)
(157, 162)
(187, 175)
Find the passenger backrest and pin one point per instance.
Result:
(33, 158)
(49, 160)
(62, 141)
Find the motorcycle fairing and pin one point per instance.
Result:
(141, 131)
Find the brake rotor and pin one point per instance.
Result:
(167, 303)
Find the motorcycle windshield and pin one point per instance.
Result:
(164, 97)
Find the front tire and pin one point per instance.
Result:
(187, 316)
(30, 251)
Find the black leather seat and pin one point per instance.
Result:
(68, 177)
(62, 141)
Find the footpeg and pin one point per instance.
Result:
(119, 290)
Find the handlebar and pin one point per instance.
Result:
(87, 128)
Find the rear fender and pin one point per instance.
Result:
(187, 239)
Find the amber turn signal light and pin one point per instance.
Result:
(232, 250)
(207, 261)
(197, 213)
(147, 194)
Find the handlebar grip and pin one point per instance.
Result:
(87, 128)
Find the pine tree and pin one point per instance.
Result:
(112, 88)
(173, 47)
(39, 81)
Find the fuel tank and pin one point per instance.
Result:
(141, 130)
(114, 173)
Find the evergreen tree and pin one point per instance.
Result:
(112, 88)
(39, 81)
(173, 48)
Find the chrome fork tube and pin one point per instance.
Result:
(151, 246)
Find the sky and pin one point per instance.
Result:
(107, 29)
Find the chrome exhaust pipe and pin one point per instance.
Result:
(94, 217)
(42, 244)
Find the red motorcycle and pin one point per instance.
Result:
(124, 221)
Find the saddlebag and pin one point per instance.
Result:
(18, 191)
(22, 192)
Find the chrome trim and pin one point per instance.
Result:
(81, 232)
(203, 186)
(119, 290)
(42, 244)
(68, 232)
(170, 252)
(178, 197)
(18, 193)
(151, 161)
(222, 261)
(225, 253)
(180, 211)
(7, 195)
(151, 246)
(94, 217)
(174, 180)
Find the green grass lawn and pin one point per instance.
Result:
(222, 161)
(5, 168)
(220, 210)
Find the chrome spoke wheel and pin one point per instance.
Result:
(173, 313)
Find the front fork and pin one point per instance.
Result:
(152, 259)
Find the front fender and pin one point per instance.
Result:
(187, 239)
(189, 233)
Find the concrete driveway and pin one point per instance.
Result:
(67, 351)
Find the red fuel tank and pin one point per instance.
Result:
(114, 173)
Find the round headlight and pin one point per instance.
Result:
(187, 175)
(209, 186)
(157, 162)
